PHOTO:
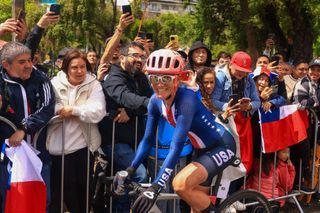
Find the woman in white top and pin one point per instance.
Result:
(80, 103)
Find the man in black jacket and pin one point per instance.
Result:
(27, 100)
(199, 55)
(127, 93)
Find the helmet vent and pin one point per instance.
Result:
(160, 62)
(176, 64)
(153, 62)
(168, 62)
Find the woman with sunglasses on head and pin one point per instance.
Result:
(182, 108)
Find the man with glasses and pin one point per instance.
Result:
(127, 92)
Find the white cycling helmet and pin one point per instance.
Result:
(165, 62)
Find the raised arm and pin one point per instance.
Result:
(124, 22)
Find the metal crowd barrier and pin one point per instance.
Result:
(295, 193)
(60, 120)
(172, 196)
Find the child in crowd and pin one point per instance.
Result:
(273, 183)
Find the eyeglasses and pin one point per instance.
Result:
(137, 56)
(165, 79)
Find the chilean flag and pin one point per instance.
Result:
(27, 190)
(282, 127)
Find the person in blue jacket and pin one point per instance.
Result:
(27, 100)
(235, 81)
(181, 107)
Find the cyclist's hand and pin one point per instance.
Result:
(146, 200)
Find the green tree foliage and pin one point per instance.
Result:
(227, 25)
(249, 22)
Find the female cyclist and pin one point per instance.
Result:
(215, 147)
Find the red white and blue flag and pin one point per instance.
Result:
(27, 190)
(282, 127)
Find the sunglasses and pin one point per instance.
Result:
(165, 79)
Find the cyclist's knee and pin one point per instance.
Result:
(179, 184)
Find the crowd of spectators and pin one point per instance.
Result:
(103, 101)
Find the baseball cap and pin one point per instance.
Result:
(314, 62)
(241, 61)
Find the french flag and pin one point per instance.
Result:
(282, 127)
(27, 190)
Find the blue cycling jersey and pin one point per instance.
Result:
(190, 118)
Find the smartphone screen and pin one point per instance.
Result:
(235, 99)
(126, 9)
(55, 8)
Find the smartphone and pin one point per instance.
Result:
(142, 34)
(245, 100)
(55, 8)
(174, 38)
(149, 36)
(22, 15)
(184, 76)
(235, 99)
(276, 59)
(126, 9)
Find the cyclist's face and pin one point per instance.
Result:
(163, 85)
(208, 82)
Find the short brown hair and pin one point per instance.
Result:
(72, 54)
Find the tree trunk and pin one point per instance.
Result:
(303, 35)
(251, 39)
(271, 25)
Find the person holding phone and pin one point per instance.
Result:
(262, 79)
(113, 44)
(17, 26)
(269, 100)
(235, 80)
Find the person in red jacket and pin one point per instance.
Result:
(273, 185)
(286, 173)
